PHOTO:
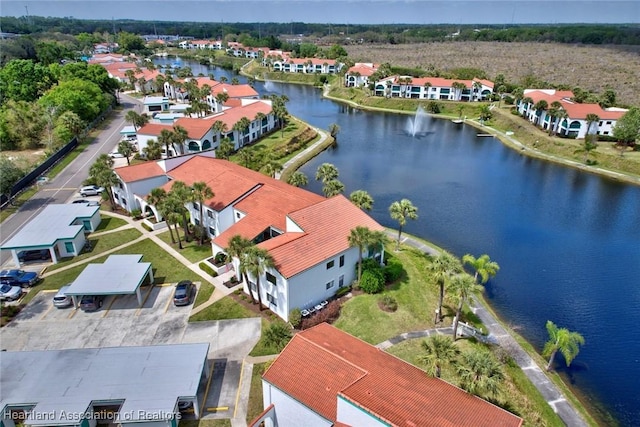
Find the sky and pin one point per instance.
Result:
(338, 11)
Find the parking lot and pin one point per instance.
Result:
(121, 322)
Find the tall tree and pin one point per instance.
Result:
(540, 107)
(137, 120)
(225, 150)
(183, 193)
(461, 287)
(236, 248)
(153, 150)
(165, 139)
(627, 129)
(401, 211)
(326, 172)
(360, 237)
(482, 266)
(591, 119)
(298, 179)
(480, 374)
(362, 199)
(561, 340)
(124, 148)
(180, 136)
(102, 174)
(439, 350)
(201, 193)
(587, 147)
(258, 261)
(443, 267)
(72, 122)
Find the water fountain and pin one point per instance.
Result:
(269, 86)
(416, 125)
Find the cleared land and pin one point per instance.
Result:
(595, 68)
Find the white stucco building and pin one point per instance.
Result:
(434, 88)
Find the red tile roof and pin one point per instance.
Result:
(326, 226)
(365, 69)
(580, 111)
(139, 172)
(196, 128)
(233, 115)
(235, 91)
(153, 129)
(322, 363)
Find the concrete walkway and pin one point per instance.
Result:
(552, 394)
(323, 137)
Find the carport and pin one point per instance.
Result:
(119, 275)
(58, 228)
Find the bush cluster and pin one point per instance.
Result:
(207, 269)
(372, 281)
(393, 271)
(389, 303)
(295, 317)
(343, 291)
(329, 314)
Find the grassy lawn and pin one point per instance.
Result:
(191, 250)
(206, 423)
(110, 223)
(255, 406)
(205, 292)
(226, 308)
(100, 244)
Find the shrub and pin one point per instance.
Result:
(136, 213)
(220, 258)
(277, 336)
(372, 281)
(343, 291)
(509, 100)
(207, 269)
(369, 264)
(388, 303)
(295, 316)
(329, 314)
(433, 107)
(146, 227)
(393, 271)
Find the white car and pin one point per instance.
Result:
(91, 190)
(116, 155)
(10, 293)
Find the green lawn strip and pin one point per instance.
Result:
(255, 406)
(519, 394)
(262, 348)
(205, 292)
(100, 244)
(223, 309)
(110, 223)
(70, 157)
(192, 250)
(17, 203)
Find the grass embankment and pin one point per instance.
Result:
(217, 58)
(263, 73)
(166, 269)
(110, 223)
(255, 407)
(192, 250)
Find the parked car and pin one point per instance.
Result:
(10, 293)
(183, 293)
(61, 299)
(91, 190)
(20, 277)
(87, 202)
(33, 255)
(116, 155)
(91, 302)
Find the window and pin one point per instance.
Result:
(341, 281)
(196, 221)
(209, 213)
(608, 122)
(600, 124)
(212, 231)
(238, 215)
(253, 287)
(272, 299)
(115, 196)
(196, 206)
(341, 260)
(124, 202)
(271, 278)
(68, 246)
(330, 264)
(330, 284)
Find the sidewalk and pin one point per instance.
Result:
(536, 375)
(323, 136)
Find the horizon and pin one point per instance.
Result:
(340, 12)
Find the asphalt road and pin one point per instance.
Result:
(65, 186)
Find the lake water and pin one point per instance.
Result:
(568, 242)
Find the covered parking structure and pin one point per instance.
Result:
(119, 275)
(58, 228)
(127, 386)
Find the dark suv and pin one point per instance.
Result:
(183, 293)
(19, 277)
(33, 255)
(91, 302)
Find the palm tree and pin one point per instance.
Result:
(591, 119)
(462, 286)
(184, 194)
(482, 266)
(219, 127)
(458, 87)
(153, 150)
(439, 350)
(561, 340)
(258, 261)
(480, 373)
(236, 248)
(587, 147)
(73, 123)
(136, 120)
(225, 149)
(201, 193)
(477, 87)
(180, 136)
(242, 126)
(259, 119)
(540, 107)
(165, 138)
(334, 129)
(326, 172)
(156, 198)
(401, 211)
(271, 167)
(362, 199)
(171, 209)
(102, 174)
(246, 157)
(298, 179)
(360, 237)
(124, 148)
(221, 98)
(443, 267)
(333, 188)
